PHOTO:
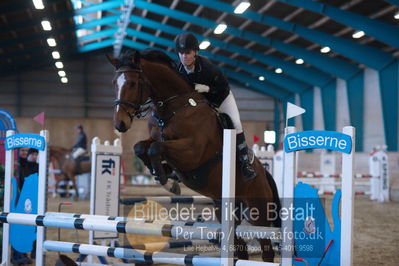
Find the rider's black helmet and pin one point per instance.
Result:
(185, 42)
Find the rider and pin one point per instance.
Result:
(209, 80)
(81, 143)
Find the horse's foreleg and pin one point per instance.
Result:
(141, 151)
(161, 150)
(155, 153)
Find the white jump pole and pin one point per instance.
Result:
(228, 196)
(42, 197)
(289, 174)
(144, 256)
(9, 169)
(169, 200)
(347, 200)
(240, 230)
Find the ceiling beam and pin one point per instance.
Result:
(122, 24)
(166, 18)
(366, 55)
(381, 31)
(140, 46)
(104, 21)
(330, 65)
(305, 74)
(96, 45)
(281, 80)
(393, 2)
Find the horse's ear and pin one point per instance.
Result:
(112, 60)
(137, 57)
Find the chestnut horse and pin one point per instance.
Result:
(184, 132)
(68, 166)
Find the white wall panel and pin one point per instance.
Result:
(318, 118)
(343, 118)
(298, 119)
(373, 118)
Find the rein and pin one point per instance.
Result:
(162, 120)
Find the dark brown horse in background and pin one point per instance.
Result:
(185, 133)
(68, 166)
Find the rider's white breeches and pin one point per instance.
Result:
(78, 152)
(229, 107)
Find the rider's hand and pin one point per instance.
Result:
(201, 88)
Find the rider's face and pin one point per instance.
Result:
(187, 58)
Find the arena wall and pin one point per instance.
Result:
(62, 132)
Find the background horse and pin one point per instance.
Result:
(185, 133)
(68, 166)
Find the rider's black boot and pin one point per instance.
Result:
(246, 166)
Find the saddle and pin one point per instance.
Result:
(82, 158)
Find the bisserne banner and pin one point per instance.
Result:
(25, 140)
(317, 139)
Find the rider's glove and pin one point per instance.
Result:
(201, 88)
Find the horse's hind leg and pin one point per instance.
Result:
(75, 187)
(240, 246)
(262, 220)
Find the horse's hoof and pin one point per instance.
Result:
(175, 189)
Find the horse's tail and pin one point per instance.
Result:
(276, 198)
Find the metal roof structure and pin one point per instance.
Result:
(270, 37)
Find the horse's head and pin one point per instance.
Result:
(130, 90)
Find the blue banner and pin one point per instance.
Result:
(7, 122)
(25, 140)
(330, 140)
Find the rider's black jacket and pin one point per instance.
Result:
(81, 141)
(208, 74)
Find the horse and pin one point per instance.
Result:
(68, 166)
(185, 135)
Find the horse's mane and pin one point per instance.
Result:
(153, 55)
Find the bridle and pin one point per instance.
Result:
(141, 109)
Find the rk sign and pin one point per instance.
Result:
(107, 189)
